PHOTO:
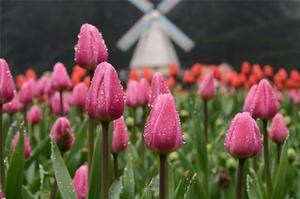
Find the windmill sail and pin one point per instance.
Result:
(154, 49)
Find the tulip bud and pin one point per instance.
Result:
(120, 137)
(291, 154)
(207, 88)
(132, 94)
(80, 181)
(27, 147)
(105, 99)
(249, 98)
(13, 106)
(278, 131)
(294, 96)
(265, 103)
(26, 92)
(144, 92)
(243, 139)
(62, 134)
(60, 79)
(79, 95)
(34, 115)
(7, 85)
(48, 89)
(158, 86)
(54, 104)
(163, 133)
(40, 86)
(90, 49)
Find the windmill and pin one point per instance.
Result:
(154, 31)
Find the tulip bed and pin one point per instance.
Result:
(79, 141)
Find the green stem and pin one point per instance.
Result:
(105, 156)
(143, 126)
(2, 171)
(90, 146)
(278, 152)
(239, 186)
(205, 120)
(163, 176)
(266, 157)
(61, 103)
(25, 117)
(116, 166)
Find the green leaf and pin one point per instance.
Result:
(63, 178)
(281, 173)
(95, 173)
(115, 190)
(26, 193)
(253, 188)
(14, 176)
(128, 182)
(148, 192)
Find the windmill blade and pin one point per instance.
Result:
(176, 34)
(143, 5)
(133, 33)
(165, 6)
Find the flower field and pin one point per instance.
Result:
(207, 132)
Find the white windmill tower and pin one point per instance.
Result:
(153, 30)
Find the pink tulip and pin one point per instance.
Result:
(265, 103)
(243, 138)
(34, 115)
(144, 92)
(163, 132)
(79, 94)
(26, 92)
(54, 104)
(132, 93)
(120, 137)
(294, 96)
(60, 79)
(13, 106)
(27, 147)
(279, 96)
(90, 49)
(278, 131)
(7, 85)
(207, 89)
(80, 181)
(48, 90)
(158, 86)
(105, 99)
(40, 86)
(62, 134)
(249, 98)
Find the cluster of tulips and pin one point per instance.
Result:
(150, 107)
